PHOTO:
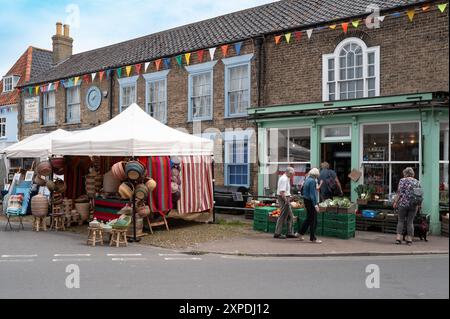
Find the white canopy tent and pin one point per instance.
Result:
(38, 145)
(132, 133)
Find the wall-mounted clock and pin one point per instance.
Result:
(93, 98)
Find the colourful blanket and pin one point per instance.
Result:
(196, 184)
(158, 168)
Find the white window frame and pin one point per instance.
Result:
(240, 138)
(73, 121)
(126, 83)
(335, 56)
(207, 67)
(45, 97)
(2, 127)
(389, 162)
(325, 139)
(156, 77)
(244, 60)
(13, 79)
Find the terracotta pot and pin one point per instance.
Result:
(44, 168)
(57, 162)
(39, 205)
(51, 185)
(126, 190)
(39, 181)
(60, 186)
(134, 170)
(110, 183)
(118, 171)
(151, 184)
(143, 211)
(141, 191)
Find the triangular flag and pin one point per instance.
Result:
(119, 72)
(200, 55)
(75, 80)
(411, 14)
(36, 89)
(345, 26)
(138, 68)
(93, 76)
(30, 90)
(277, 39)
(224, 50)
(355, 23)
(179, 59)
(212, 51)
(309, 33)
(101, 74)
(425, 8)
(86, 78)
(187, 56)
(237, 47)
(442, 7)
(333, 26)
(381, 18)
(396, 14)
(158, 64)
(108, 73)
(128, 70)
(167, 63)
(298, 35)
(287, 36)
(56, 85)
(42, 89)
(50, 87)
(146, 65)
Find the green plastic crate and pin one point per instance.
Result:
(300, 213)
(340, 225)
(271, 228)
(261, 213)
(260, 226)
(339, 217)
(337, 233)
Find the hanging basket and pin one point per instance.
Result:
(143, 211)
(141, 191)
(39, 181)
(110, 183)
(44, 168)
(126, 190)
(118, 171)
(151, 184)
(134, 170)
(60, 186)
(51, 185)
(57, 162)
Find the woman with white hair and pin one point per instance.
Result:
(311, 204)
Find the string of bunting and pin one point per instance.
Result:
(202, 55)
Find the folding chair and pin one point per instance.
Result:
(18, 203)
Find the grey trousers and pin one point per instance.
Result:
(407, 213)
(285, 216)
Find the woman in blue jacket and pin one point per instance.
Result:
(311, 204)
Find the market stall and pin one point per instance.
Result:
(173, 170)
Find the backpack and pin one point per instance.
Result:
(332, 185)
(416, 196)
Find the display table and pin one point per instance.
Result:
(108, 209)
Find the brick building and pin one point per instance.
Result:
(317, 81)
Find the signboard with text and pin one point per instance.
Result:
(31, 109)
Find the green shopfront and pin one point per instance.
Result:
(376, 137)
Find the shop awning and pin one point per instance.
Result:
(132, 133)
(37, 145)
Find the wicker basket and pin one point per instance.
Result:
(83, 209)
(118, 171)
(39, 181)
(60, 186)
(110, 183)
(141, 191)
(151, 184)
(44, 168)
(39, 205)
(126, 190)
(134, 170)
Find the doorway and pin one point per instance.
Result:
(339, 156)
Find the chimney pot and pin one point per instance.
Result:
(66, 30)
(58, 28)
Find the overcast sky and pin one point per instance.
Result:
(96, 23)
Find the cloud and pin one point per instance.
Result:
(101, 22)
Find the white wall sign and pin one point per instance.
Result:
(31, 110)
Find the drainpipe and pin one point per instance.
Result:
(111, 95)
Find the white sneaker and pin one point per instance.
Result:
(317, 241)
(300, 237)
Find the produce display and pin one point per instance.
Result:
(365, 191)
(275, 213)
(341, 202)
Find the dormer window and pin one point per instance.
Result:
(9, 83)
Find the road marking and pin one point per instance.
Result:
(72, 255)
(176, 258)
(18, 256)
(17, 260)
(172, 254)
(70, 259)
(123, 255)
(128, 259)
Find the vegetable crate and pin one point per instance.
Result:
(339, 217)
(260, 225)
(339, 233)
(300, 213)
(319, 228)
(272, 225)
(339, 225)
(262, 213)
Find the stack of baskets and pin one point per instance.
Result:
(67, 209)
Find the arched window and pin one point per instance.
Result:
(351, 72)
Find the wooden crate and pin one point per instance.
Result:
(444, 226)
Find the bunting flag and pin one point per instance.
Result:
(93, 76)
(128, 70)
(212, 51)
(237, 47)
(187, 56)
(179, 59)
(425, 8)
(167, 63)
(355, 23)
(146, 65)
(86, 78)
(410, 13)
(277, 39)
(309, 33)
(345, 26)
(50, 87)
(63, 83)
(298, 35)
(108, 73)
(224, 50)
(101, 74)
(333, 26)
(138, 68)
(158, 64)
(56, 85)
(396, 14)
(200, 55)
(119, 72)
(75, 80)
(30, 90)
(36, 90)
(381, 18)
(287, 36)
(442, 7)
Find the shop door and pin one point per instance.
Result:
(338, 155)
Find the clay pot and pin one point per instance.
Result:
(126, 190)
(51, 185)
(110, 183)
(44, 168)
(57, 162)
(60, 186)
(39, 181)
(134, 170)
(143, 211)
(141, 191)
(118, 171)
(39, 205)
(151, 184)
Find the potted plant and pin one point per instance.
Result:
(364, 193)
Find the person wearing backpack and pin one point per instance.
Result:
(329, 184)
(409, 198)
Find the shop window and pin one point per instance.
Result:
(156, 95)
(2, 127)
(387, 149)
(49, 105)
(352, 71)
(443, 164)
(128, 92)
(336, 133)
(73, 104)
(201, 91)
(237, 167)
(237, 85)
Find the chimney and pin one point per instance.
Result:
(62, 44)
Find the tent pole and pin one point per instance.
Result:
(214, 185)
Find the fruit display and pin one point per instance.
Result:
(275, 213)
(297, 205)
